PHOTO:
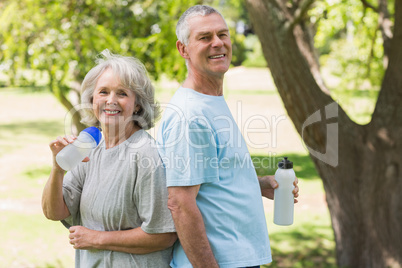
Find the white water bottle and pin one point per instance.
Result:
(283, 197)
(71, 155)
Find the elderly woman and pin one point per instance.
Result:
(115, 202)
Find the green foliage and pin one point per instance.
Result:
(64, 37)
(254, 55)
(60, 40)
(239, 49)
(349, 42)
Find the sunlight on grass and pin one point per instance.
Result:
(309, 242)
(34, 173)
(33, 241)
(28, 183)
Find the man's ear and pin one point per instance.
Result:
(182, 49)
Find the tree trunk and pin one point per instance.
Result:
(359, 165)
(57, 91)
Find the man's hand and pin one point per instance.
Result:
(83, 238)
(268, 184)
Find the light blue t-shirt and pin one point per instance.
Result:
(200, 144)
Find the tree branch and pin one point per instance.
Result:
(368, 5)
(300, 12)
(386, 28)
(371, 51)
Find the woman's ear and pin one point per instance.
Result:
(182, 49)
(137, 109)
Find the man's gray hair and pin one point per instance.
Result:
(132, 75)
(183, 27)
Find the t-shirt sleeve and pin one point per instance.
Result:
(72, 189)
(151, 198)
(190, 154)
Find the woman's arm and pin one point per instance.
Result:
(53, 204)
(134, 241)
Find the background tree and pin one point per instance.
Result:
(363, 187)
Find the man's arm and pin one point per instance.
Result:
(134, 241)
(190, 225)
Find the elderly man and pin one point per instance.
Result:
(214, 193)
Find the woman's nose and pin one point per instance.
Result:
(111, 99)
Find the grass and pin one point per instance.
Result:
(302, 165)
(14, 135)
(29, 119)
(306, 245)
(30, 240)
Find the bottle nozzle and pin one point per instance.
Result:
(285, 163)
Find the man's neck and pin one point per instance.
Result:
(206, 85)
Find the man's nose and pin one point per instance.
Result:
(216, 41)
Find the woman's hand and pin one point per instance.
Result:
(268, 185)
(57, 145)
(83, 238)
(53, 205)
(60, 142)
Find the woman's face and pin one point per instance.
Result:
(113, 104)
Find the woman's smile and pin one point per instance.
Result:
(111, 112)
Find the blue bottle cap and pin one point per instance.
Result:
(95, 133)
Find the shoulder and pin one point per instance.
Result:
(185, 105)
(143, 144)
(145, 158)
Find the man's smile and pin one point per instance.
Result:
(217, 56)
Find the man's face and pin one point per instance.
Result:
(209, 49)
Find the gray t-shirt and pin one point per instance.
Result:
(120, 188)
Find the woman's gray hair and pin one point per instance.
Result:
(134, 76)
(183, 27)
